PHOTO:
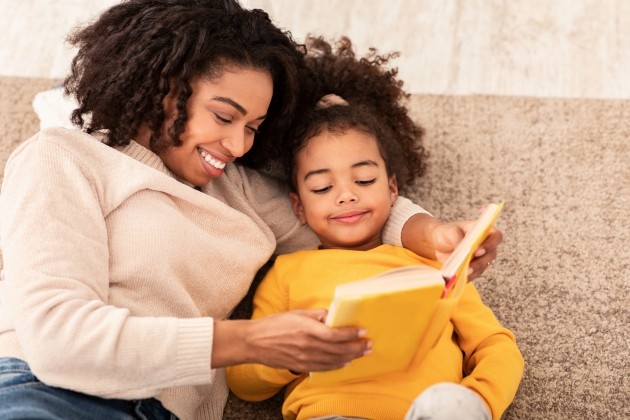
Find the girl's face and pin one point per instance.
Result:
(343, 191)
(223, 117)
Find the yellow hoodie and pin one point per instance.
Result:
(474, 350)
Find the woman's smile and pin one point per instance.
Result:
(207, 157)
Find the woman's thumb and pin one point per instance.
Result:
(316, 314)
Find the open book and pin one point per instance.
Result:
(403, 310)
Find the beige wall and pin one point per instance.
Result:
(558, 48)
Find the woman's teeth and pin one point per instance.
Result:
(212, 161)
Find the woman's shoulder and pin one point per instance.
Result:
(71, 151)
(60, 141)
(67, 145)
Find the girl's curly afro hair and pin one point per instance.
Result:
(375, 105)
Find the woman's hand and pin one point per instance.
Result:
(296, 340)
(485, 254)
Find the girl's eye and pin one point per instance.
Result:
(365, 182)
(322, 190)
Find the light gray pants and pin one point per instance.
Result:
(442, 401)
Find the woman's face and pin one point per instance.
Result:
(223, 117)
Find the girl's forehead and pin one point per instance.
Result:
(336, 138)
(350, 139)
(339, 148)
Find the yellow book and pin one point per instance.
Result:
(403, 310)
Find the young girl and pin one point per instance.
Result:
(350, 157)
(127, 244)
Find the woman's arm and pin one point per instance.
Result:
(429, 237)
(297, 340)
(409, 225)
(278, 341)
(268, 198)
(56, 291)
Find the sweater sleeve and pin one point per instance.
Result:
(401, 212)
(269, 197)
(256, 382)
(493, 364)
(56, 288)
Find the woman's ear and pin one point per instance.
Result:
(393, 188)
(298, 209)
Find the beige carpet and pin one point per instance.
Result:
(560, 283)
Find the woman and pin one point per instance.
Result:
(119, 274)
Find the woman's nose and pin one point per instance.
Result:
(237, 143)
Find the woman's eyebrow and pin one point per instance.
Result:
(240, 108)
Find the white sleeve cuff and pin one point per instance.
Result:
(401, 212)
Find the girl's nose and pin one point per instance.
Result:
(347, 196)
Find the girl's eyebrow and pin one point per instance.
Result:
(240, 108)
(368, 162)
(316, 172)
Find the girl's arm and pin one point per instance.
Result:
(269, 199)
(493, 364)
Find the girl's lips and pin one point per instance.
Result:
(349, 216)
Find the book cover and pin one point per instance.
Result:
(403, 310)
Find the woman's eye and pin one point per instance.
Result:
(365, 182)
(222, 119)
(321, 190)
(253, 130)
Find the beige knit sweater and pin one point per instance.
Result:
(114, 269)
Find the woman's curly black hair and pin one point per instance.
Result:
(135, 52)
(376, 106)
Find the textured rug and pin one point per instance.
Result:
(560, 282)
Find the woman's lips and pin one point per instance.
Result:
(211, 160)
